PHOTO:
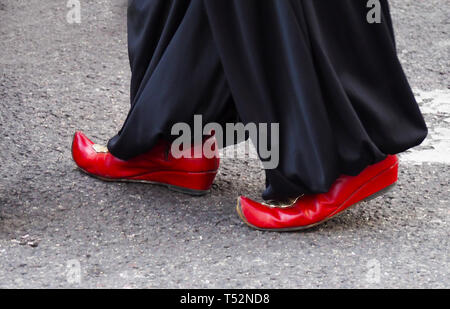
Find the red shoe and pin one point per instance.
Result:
(311, 210)
(158, 166)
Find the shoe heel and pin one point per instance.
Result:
(379, 185)
(197, 184)
(380, 193)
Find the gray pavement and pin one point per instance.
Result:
(56, 78)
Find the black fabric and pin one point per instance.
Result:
(329, 78)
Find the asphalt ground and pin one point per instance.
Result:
(60, 228)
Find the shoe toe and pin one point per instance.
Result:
(254, 214)
(82, 151)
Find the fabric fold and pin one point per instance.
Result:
(329, 78)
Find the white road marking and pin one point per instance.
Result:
(435, 105)
(436, 148)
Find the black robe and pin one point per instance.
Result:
(331, 79)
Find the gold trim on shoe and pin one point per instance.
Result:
(100, 148)
(283, 205)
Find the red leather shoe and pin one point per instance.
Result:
(311, 210)
(188, 175)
